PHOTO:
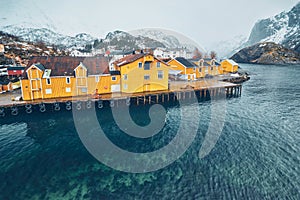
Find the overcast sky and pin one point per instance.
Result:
(203, 21)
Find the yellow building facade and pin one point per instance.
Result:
(132, 74)
(39, 83)
(229, 66)
(189, 69)
(142, 73)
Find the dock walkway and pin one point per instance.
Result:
(202, 90)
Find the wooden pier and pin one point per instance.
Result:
(178, 91)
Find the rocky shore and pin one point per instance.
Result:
(267, 53)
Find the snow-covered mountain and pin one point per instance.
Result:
(116, 40)
(283, 28)
(227, 48)
(18, 52)
(169, 38)
(49, 37)
(121, 40)
(126, 41)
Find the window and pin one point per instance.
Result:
(113, 78)
(48, 91)
(125, 77)
(158, 64)
(97, 79)
(194, 69)
(125, 86)
(68, 80)
(147, 65)
(140, 65)
(147, 77)
(68, 90)
(200, 70)
(84, 90)
(48, 81)
(160, 74)
(211, 68)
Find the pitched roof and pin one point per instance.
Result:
(65, 65)
(206, 64)
(129, 59)
(40, 66)
(217, 64)
(194, 60)
(114, 73)
(232, 62)
(185, 62)
(16, 68)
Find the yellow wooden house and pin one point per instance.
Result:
(229, 66)
(66, 77)
(213, 67)
(142, 72)
(207, 67)
(189, 70)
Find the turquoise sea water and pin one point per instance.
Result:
(256, 157)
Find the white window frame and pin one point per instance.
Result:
(114, 78)
(68, 89)
(125, 77)
(158, 64)
(125, 86)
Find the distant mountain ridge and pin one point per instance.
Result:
(122, 40)
(49, 37)
(169, 38)
(116, 40)
(227, 48)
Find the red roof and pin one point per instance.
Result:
(65, 65)
(129, 59)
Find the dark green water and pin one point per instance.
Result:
(256, 157)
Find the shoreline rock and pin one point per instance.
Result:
(267, 53)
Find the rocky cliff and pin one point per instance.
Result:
(267, 53)
(283, 29)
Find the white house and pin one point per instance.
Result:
(172, 53)
(77, 53)
(159, 53)
(2, 49)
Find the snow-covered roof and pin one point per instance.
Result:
(234, 75)
(174, 72)
(232, 62)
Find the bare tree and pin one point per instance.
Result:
(197, 54)
(213, 55)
